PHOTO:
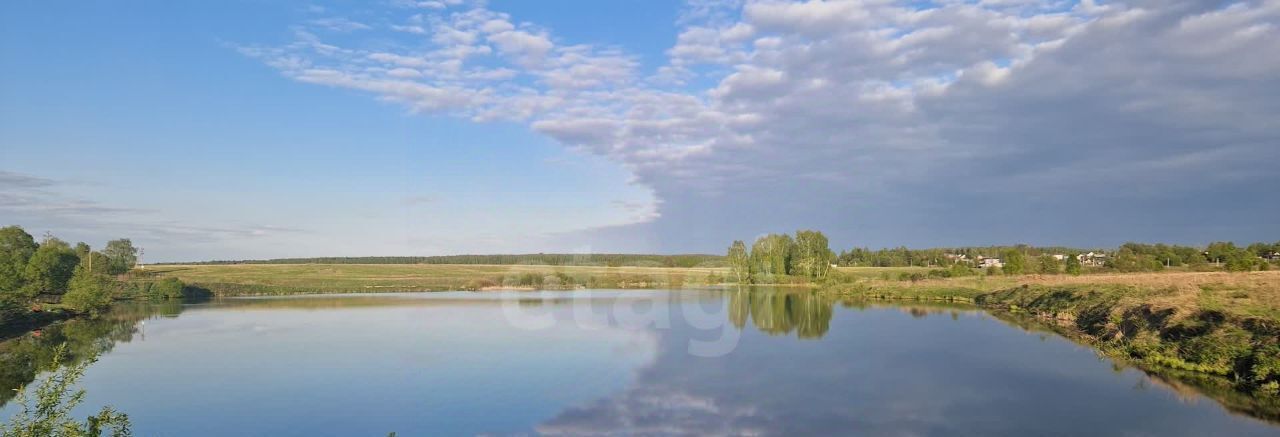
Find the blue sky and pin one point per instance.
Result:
(246, 129)
(148, 106)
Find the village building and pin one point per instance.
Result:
(1092, 259)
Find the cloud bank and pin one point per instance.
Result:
(53, 204)
(920, 123)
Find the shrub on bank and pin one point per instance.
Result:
(168, 288)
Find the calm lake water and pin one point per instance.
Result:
(592, 362)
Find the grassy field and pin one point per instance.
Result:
(255, 279)
(879, 272)
(1253, 294)
(1245, 294)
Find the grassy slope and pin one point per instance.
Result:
(1197, 325)
(1247, 294)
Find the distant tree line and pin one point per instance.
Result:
(1019, 259)
(1133, 257)
(904, 257)
(76, 278)
(550, 259)
(775, 257)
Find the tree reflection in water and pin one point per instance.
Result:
(781, 312)
(777, 311)
(25, 357)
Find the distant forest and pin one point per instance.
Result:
(552, 259)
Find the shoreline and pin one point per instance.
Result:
(1229, 353)
(33, 322)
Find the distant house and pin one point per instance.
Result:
(1059, 257)
(1273, 256)
(990, 262)
(1092, 259)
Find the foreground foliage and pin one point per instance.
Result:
(48, 413)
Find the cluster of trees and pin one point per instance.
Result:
(776, 256)
(1264, 250)
(81, 279)
(1137, 257)
(549, 259)
(1017, 262)
(1239, 259)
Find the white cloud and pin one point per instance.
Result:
(529, 48)
(417, 30)
(497, 26)
(814, 17)
(61, 207)
(338, 24)
(404, 73)
(428, 4)
(400, 60)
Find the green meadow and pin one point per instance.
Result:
(274, 279)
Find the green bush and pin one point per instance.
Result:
(88, 292)
(1218, 350)
(168, 288)
(1266, 365)
(960, 270)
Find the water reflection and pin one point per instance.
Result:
(778, 312)
(805, 363)
(24, 357)
(880, 368)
